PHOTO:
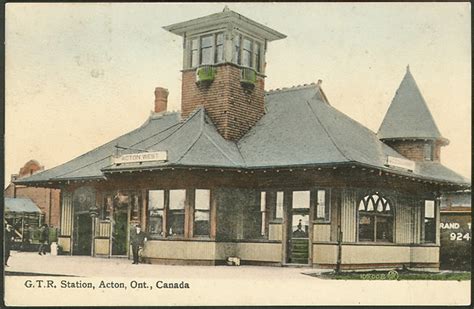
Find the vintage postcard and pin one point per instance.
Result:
(187, 154)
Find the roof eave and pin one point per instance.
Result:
(223, 18)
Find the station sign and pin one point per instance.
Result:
(140, 157)
(400, 163)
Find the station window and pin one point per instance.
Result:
(194, 53)
(263, 211)
(429, 222)
(247, 52)
(176, 212)
(375, 219)
(428, 152)
(279, 205)
(202, 206)
(207, 49)
(322, 206)
(156, 209)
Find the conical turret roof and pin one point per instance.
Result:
(408, 115)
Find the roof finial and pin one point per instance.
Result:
(226, 9)
(408, 68)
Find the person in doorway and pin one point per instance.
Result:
(299, 232)
(138, 239)
(8, 242)
(43, 239)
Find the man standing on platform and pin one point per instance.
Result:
(137, 239)
(43, 239)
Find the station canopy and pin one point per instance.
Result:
(21, 206)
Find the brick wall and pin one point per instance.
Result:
(233, 108)
(414, 150)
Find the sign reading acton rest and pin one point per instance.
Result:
(140, 157)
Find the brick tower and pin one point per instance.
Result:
(224, 69)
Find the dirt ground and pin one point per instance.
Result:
(87, 281)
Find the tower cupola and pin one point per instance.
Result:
(409, 127)
(224, 69)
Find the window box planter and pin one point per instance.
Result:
(248, 76)
(205, 74)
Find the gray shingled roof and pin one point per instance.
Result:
(194, 142)
(408, 115)
(89, 165)
(20, 205)
(299, 128)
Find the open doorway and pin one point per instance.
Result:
(298, 228)
(82, 234)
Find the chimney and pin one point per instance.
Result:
(161, 99)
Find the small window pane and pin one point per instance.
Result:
(203, 199)
(279, 205)
(429, 209)
(321, 207)
(370, 205)
(301, 199)
(258, 57)
(220, 54)
(236, 56)
(263, 196)
(194, 58)
(379, 207)
(220, 38)
(201, 223)
(206, 41)
(384, 229)
(206, 55)
(246, 58)
(194, 53)
(247, 44)
(366, 228)
(177, 199)
(428, 152)
(156, 199)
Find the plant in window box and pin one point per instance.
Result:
(205, 74)
(248, 76)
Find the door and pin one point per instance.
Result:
(121, 218)
(298, 228)
(82, 234)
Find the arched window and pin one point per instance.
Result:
(375, 218)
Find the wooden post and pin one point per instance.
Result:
(339, 250)
(339, 236)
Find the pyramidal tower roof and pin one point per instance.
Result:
(408, 115)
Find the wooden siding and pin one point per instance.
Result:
(66, 215)
(102, 228)
(321, 232)
(404, 221)
(349, 217)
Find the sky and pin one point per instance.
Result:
(80, 74)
